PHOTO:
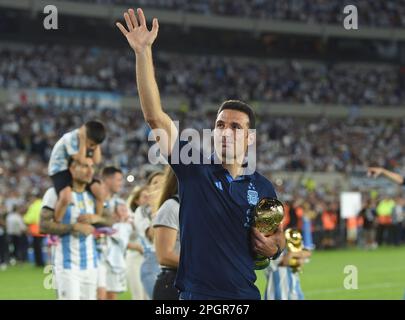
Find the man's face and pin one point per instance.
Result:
(114, 182)
(231, 136)
(82, 173)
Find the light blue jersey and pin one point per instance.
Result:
(74, 252)
(66, 146)
(282, 283)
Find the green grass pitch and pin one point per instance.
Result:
(381, 275)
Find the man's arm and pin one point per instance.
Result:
(81, 155)
(141, 39)
(47, 225)
(376, 171)
(105, 219)
(97, 155)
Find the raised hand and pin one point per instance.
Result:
(137, 34)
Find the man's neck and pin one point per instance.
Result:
(234, 170)
(107, 193)
(78, 186)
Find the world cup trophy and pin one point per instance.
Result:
(268, 214)
(294, 245)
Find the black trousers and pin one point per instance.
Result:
(3, 249)
(164, 286)
(37, 246)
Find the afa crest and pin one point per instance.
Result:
(252, 197)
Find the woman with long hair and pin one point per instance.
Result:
(167, 238)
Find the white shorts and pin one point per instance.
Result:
(76, 284)
(102, 275)
(116, 282)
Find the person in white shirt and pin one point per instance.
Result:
(112, 181)
(75, 262)
(117, 247)
(16, 228)
(134, 258)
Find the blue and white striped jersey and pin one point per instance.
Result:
(66, 146)
(282, 283)
(74, 252)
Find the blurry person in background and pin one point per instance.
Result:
(384, 210)
(111, 184)
(283, 281)
(117, 247)
(167, 238)
(3, 239)
(398, 217)
(16, 229)
(369, 215)
(143, 223)
(134, 258)
(329, 224)
(31, 219)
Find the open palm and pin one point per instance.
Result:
(137, 34)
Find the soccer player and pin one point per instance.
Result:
(282, 282)
(216, 258)
(76, 259)
(112, 181)
(377, 171)
(77, 144)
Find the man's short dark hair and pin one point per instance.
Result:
(242, 107)
(95, 131)
(110, 171)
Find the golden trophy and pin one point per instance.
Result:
(268, 214)
(294, 245)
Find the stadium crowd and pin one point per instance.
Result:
(203, 78)
(376, 13)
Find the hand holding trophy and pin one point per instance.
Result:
(268, 214)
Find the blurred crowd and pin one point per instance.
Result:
(389, 13)
(381, 220)
(203, 79)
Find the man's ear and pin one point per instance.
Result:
(251, 136)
